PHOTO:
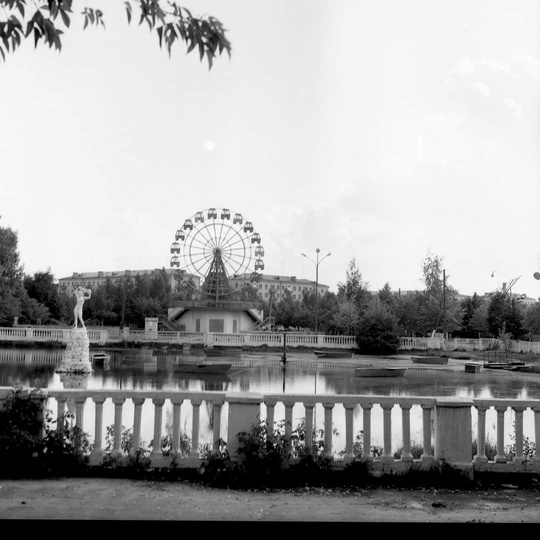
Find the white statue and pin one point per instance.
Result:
(82, 294)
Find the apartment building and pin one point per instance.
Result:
(270, 284)
(92, 280)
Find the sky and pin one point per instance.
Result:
(380, 132)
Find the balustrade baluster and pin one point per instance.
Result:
(288, 418)
(349, 430)
(427, 455)
(481, 437)
(177, 404)
(387, 431)
(519, 457)
(217, 424)
(61, 401)
(196, 415)
(270, 414)
(366, 432)
(79, 411)
(536, 410)
(97, 451)
(158, 420)
(500, 457)
(137, 419)
(309, 425)
(118, 403)
(328, 429)
(406, 427)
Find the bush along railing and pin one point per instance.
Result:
(255, 442)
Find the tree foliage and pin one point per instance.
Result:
(354, 289)
(378, 331)
(45, 21)
(503, 312)
(14, 300)
(346, 318)
(42, 289)
(531, 319)
(441, 310)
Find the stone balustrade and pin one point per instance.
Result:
(115, 336)
(112, 336)
(447, 425)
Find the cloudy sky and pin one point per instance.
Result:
(377, 131)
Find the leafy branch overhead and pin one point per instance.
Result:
(47, 20)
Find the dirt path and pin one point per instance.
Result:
(122, 499)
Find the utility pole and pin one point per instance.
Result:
(444, 304)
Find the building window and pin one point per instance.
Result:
(216, 325)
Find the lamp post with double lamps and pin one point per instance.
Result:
(316, 263)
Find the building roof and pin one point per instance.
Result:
(120, 273)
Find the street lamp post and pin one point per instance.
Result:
(316, 263)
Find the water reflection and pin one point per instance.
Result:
(259, 373)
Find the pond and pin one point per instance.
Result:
(144, 369)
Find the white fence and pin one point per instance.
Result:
(461, 344)
(447, 427)
(117, 336)
(112, 336)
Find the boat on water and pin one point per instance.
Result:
(218, 369)
(101, 358)
(512, 365)
(438, 360)
(211, 351)
(379, 372)
(333, 354)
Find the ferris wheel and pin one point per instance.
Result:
(217, 234)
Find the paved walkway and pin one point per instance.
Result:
(139, 500)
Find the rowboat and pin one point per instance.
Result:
(514, 365)
(333, 354)
(470, 367)
(439, 360)
(203, 368)
(100, 358)
(222, 352)
(379, 372)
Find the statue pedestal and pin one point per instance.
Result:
(77, 354)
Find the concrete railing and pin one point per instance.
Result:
(116, 336)
(256, 339)
(462, 344)
(447, 426)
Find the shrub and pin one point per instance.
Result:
(30, 447)
(416, 451)
(298, 441)
(378, 331)
(262, 456)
